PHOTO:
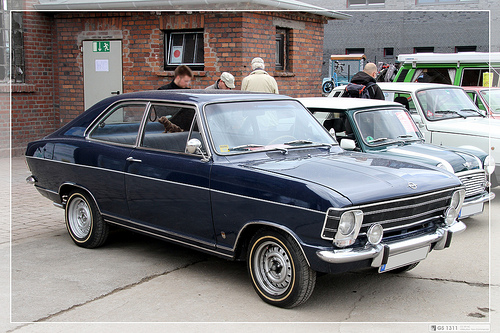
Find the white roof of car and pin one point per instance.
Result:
(413, 86)
(470, 57)
(345, 103)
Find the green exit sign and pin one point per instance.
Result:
(101, 46)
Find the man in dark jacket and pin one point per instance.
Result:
(182, 79)
(367, 75)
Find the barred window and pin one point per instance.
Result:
(17, 48)
(282, 49)
(4, 45)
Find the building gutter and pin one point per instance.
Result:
(184, 5)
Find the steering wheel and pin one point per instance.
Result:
(282, 139)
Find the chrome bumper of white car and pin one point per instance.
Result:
(382, 252)
(476, 205)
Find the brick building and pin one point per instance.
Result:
(52, 86)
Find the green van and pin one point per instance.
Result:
(460, 69)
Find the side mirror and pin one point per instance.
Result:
(193, 146)
(418, 120)
(347, 144)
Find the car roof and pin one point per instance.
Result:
(414, 86)
(345, 103)
(478, 88)
(197, 96)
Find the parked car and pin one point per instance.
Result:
(446, 116)
(245, 177)
(486, 99)
(386, 128)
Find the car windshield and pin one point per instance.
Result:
(386, 126)
(492, 98)
(263, 125)
(445, 103)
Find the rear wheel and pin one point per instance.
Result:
(278, 269)
(84, 222)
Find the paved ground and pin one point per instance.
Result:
(138, 284)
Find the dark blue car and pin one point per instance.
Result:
(246, 177)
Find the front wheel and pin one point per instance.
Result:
(278, 269)
(84, 222)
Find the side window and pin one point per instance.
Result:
(409, 104)
(121, 124)
(402, 75)
(170, 127)
(477, 100)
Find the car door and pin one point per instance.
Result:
(110, 141)
(167, 188)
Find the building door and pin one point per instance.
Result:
(102, 70)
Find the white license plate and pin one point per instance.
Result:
(472, 209)
(403, 259)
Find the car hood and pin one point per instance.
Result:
(360, 177)
(435, 155)
(475, 126)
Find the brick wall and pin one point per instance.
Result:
(54, 59)
(34, 103)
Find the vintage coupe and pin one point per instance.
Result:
(386, 128)
(246, 177)
(446, 116)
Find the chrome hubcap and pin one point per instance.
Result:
(79, 218)
(272, 268)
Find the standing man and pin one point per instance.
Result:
(182, 78)
(259, 80)
(367, 78)
(225, 82)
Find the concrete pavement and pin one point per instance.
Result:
(138, 284)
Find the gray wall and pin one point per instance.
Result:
(404, 30)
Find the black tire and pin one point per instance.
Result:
(278, 269)
(84, 222)
(327, 87)
(404, 268)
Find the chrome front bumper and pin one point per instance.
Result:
(475, 206)
(380, 253)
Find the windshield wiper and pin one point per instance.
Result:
(473, 110)
(298, 142)
(245, 147)
(378, 140)
(451, 111)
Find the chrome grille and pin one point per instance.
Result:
(474, 181)
(399, 214)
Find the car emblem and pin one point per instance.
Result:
(413, 186)
(467, 165)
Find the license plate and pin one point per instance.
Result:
(472, 209)
(405, 258)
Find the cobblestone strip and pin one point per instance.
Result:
(32, 214)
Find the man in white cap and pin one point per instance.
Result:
(259, 80)
(225, 82)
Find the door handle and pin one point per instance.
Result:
(131, 159)
(115, 92)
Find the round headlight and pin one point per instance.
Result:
(489, 164)
(450, 215)
(375, 234)
(455, 200)
(347, 223)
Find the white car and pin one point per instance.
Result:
(446, 116)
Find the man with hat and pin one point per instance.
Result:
(259, 80)
(226, 81)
